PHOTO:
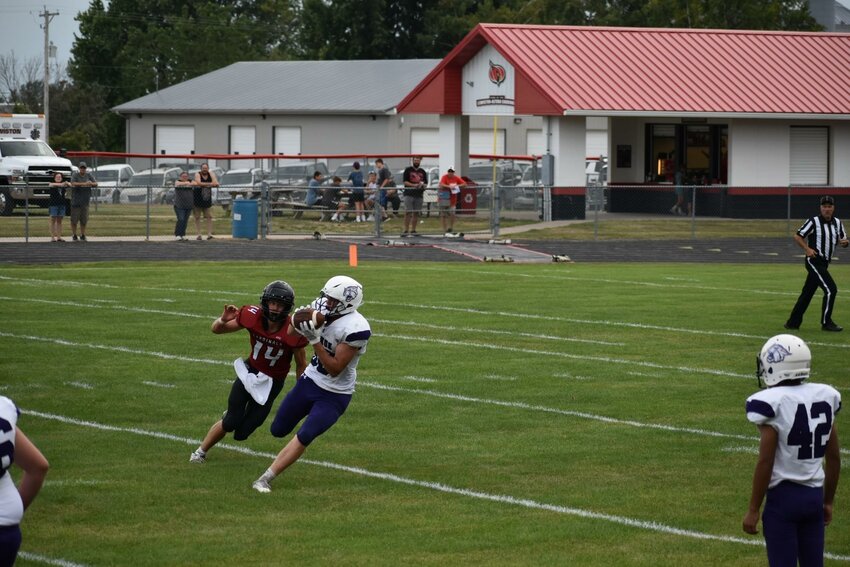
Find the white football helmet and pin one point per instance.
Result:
(783, 357)
(347, 292)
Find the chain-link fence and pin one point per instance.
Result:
(258, 198)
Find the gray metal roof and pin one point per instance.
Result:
(272, 87)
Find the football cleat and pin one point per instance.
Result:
(261, 485)
(198, 458)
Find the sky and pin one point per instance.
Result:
(22, 31)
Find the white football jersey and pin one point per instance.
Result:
(11, 506)
(352, 329)
(802, 416)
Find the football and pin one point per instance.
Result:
(308, 314)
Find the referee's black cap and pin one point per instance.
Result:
(827, 200)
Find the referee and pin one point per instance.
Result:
(818, 237)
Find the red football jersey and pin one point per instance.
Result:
(271, 353)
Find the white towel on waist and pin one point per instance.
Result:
(258, 385)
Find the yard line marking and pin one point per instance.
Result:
(478, 311)
(557, 411)
(388, 321)
(550, 318)
(591, 358)
(458, 397)
(500, 377)
(82, 385)
(107, 306)
(494, 332)
(47, 560)
(158, 384)
(418, 379)
(436, 486)
(741, 449)
(75, 482)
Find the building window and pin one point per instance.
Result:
(809, 154)
(701, 149)
(662, 153)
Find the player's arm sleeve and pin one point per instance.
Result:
(759, 411)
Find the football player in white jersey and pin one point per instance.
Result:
(323, 392)
(796, 421)
(16, 448)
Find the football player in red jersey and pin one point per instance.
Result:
(260, 377)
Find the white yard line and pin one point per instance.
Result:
(439, 487)
(36, 558)
(519, 405)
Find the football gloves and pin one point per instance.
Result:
(308, 330)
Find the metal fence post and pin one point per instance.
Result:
(148, 214)
(788, 212)
(378, 213)
(693, 212)
(27, 206)
(496, 209)
(265, 209)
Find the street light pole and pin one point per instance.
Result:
(48, 16)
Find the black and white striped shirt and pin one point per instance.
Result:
(822, 236)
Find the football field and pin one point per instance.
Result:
(505, 414)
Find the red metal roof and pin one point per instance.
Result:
(591, 70)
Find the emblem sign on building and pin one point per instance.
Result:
(488, 84)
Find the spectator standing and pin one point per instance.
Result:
(323, 392)
(184, 201)
(371, 192)
(56, 206)
(358, 194)
(450, 186)
(314, 189)
(20, 451)
(818, 237)
(387, 193)
(82, 182)
(415, 180)
(205, 180)
(679, 181)
(260, 377)
(797, 426)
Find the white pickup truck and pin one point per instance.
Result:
(27, 165)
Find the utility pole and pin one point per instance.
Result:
(48, 17)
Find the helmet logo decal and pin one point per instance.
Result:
(350, 293)
(777, 353)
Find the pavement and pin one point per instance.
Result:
(473, 248)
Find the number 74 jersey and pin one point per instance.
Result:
(803, 416)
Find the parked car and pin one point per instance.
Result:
(596, 171)
(111, 179)
(296, 175)
(528, 193)
(244, 180)
(159, 180)
(507, 176)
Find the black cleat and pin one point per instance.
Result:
(791, 327)
(832, 327)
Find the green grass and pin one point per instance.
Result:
(504, 415)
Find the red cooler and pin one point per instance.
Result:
(467, 201)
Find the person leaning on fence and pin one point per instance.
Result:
(415, 180)
(388, 194)
(450, 186)
(205, 180)
(184, 201)
(82, 182)
(818, 237)
(56, 206)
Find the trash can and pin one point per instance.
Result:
(245, 218)
(467, 201)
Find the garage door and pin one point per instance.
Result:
(173, 140)
(809, 155)
(287, 141)
(243, 141)
(534, 145)
(481, 142)
(424, 140)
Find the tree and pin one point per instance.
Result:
(135, 47)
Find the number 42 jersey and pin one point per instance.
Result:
(802, 416)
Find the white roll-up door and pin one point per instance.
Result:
(597, 143)
(287, 141)
(809, 155)
(534, 143)
(173, 140)
(243, 141)
(424, 140)
(481, 141)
